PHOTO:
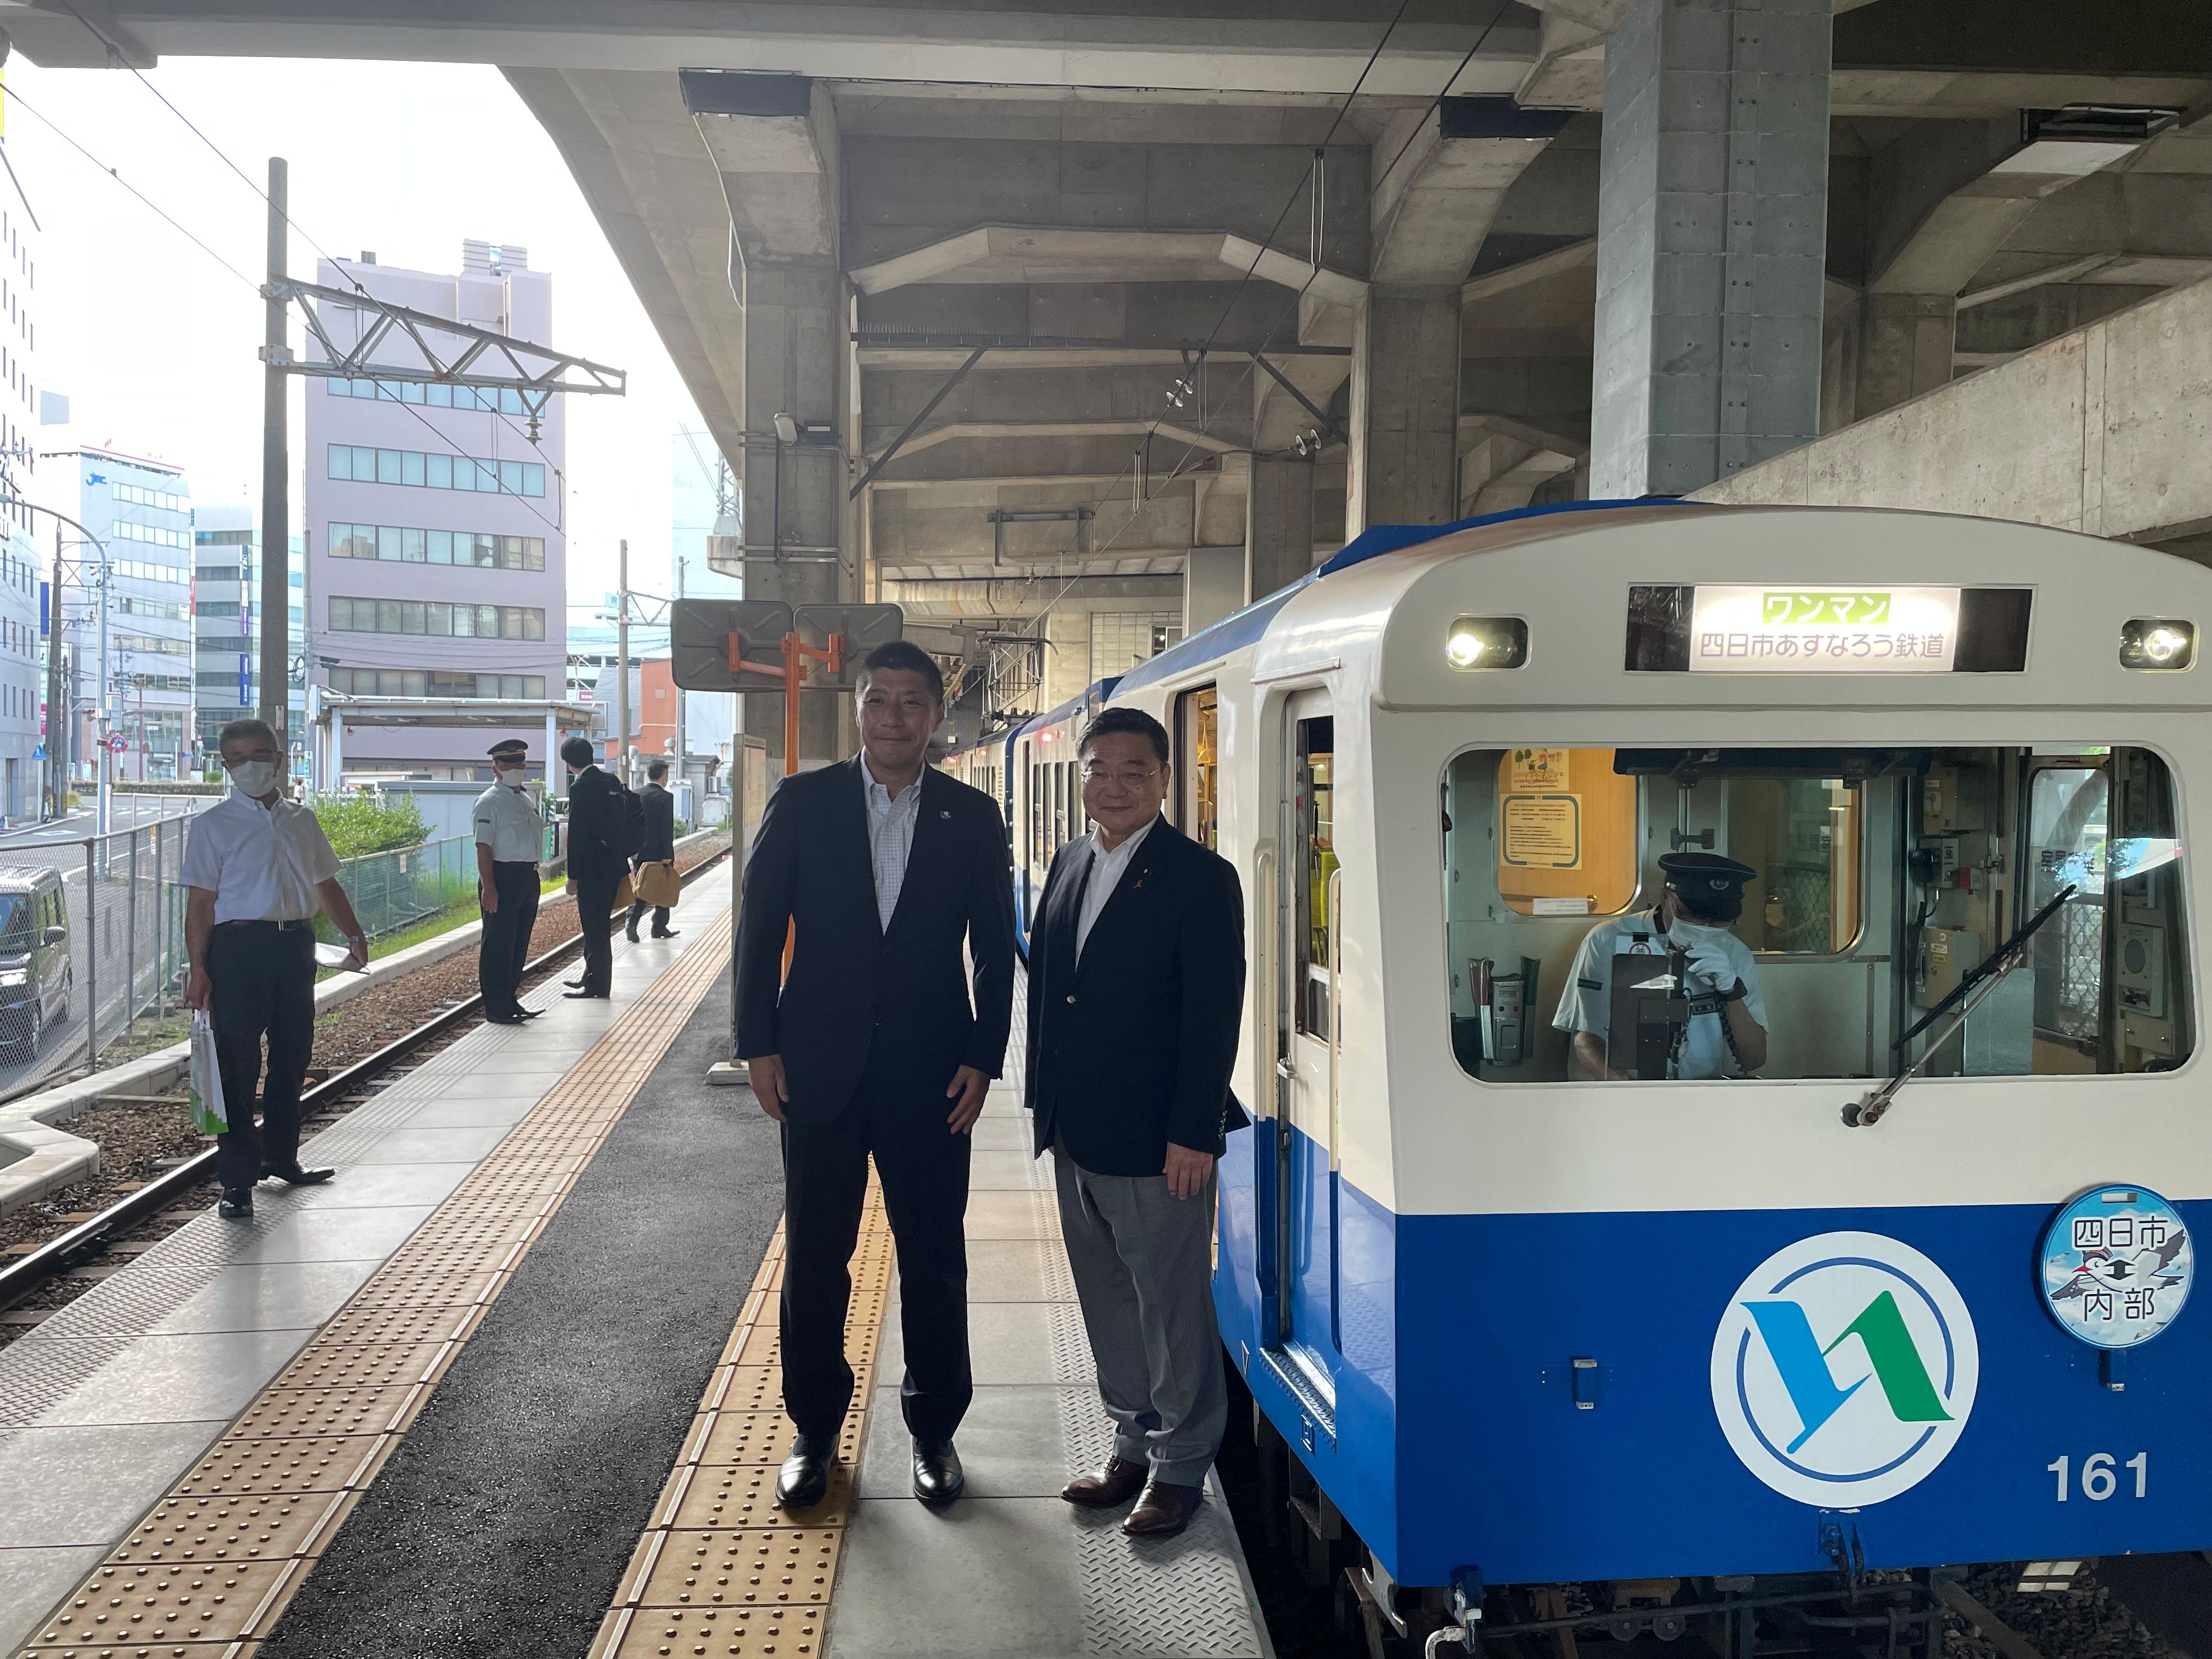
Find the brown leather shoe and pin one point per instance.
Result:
(1107, 1488)
(1164, 1510)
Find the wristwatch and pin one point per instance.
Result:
(1734, 993)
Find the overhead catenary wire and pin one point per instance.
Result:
(116, 55)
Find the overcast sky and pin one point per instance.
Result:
(154, 343)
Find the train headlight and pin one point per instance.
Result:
(1486, 642)
(2158, 645)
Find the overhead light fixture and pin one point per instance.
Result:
(2158, 645)
(1486, 642)
(786, 429)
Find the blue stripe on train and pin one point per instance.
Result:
(1459, 1444)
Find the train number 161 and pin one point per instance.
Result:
(2100, 1475)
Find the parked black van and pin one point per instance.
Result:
(35, 976)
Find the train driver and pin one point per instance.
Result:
(1727, 1031)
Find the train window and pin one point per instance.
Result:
(1197, 716)
(1883, 880)
(1316, 846)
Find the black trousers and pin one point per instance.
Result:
(659, 917)
(923, 1166)
(595, 905)
(264, 980)
(504, 946)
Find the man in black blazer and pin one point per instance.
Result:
(598, 855)
(882, 870)
(1136, 994)
(656, 842)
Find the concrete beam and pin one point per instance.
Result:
(1444, 177)
(637, 155)
(2101, 430)
(1045, 254)
(1165, 432)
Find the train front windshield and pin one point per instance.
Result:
(1885, 880)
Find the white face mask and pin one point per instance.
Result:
(514, 777)
(255, 778)
(1686, 932)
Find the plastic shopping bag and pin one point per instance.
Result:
(208, 1115)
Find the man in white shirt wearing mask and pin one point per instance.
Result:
(257, 870)
(1726, 1035)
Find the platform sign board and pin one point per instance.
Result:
(864, 627)
(699, 643)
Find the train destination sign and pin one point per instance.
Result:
(1757, 629)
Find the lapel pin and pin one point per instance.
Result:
(942, 814)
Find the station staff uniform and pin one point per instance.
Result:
(263, 863)
(1587, 1003)
(509, 822)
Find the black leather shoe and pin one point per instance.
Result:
(573, 984)
(584, 996)
(937, 1475)
(630, 932)
(530, 1013)
(668, 933)
(293, 1176)
(514, 1018)
(237, 1204)
(803, 1480)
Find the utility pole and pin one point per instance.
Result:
(622, 665)
(104, 722)
(58, 719)
(680, 772)
(276, 491)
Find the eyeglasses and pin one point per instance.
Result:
(1128, 777)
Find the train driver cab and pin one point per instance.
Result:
(1891, 884)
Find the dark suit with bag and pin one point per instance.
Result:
(656, 844)
(871, 1025)
(1131, 1045)
(598, 858)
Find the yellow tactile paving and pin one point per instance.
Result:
(722, 1573)
(210, 1570)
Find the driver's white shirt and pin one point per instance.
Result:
(1586, 1005)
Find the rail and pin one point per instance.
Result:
(90, 1239)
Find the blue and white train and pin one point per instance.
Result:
(1551, 1352)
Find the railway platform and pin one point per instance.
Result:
(508, 1386)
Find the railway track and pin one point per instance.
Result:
(135, 1211)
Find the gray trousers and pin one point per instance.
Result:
(1143, 1261)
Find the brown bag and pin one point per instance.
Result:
(622, 896)
(657, 883)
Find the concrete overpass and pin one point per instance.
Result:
(973, 253)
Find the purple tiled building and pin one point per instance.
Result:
(437, 565)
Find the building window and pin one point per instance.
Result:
(148, 532)
(504, 400)
(436, 683)
(222, 537)
(482, 622)
(476, 549)
(361, 464)
(137, 497)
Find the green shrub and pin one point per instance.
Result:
(365, 821)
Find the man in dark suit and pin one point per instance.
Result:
(883, 869)
(598, 855)
(1136, 992)
(656, 842)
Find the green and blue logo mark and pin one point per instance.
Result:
(1843, 1369)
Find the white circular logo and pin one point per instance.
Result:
(1844, 1370)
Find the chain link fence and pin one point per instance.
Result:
(395, 889)
(91, 941)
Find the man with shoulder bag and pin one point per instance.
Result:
(654, 878)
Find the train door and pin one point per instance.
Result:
(1309, 951)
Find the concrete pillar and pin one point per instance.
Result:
(1906, 343)
(1066, 656)
(1278, 524)
(1405, 408)
(1713, 226)
(1212, 585)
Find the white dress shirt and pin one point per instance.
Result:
(891, 840)
(1106, 871)
(262, 863)
(507, 821)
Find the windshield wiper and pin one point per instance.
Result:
(1970, 991)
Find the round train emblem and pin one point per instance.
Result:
(2116, 1265)
(1844, 1370)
